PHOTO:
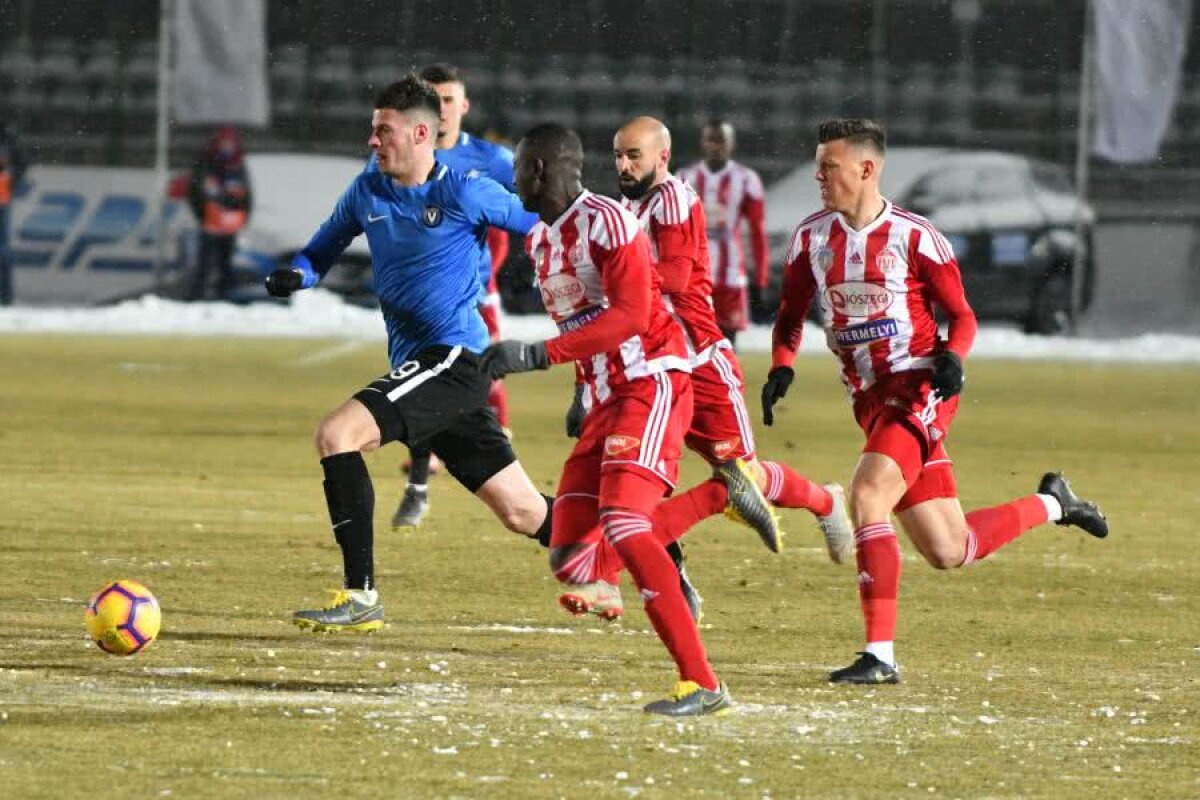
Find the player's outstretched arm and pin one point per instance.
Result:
(510, 357)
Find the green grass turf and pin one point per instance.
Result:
(1061, 667)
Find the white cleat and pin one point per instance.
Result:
(836, 527)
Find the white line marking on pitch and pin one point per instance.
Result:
(331, 353)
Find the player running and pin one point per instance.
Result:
(469, 155)
(424, 224)
(878, 271)
(721, 433)
(599, 285)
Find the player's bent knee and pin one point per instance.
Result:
(943, 558)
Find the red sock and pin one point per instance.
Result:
(498, 400)
(989, 529)
(878, 553)
(658, 582)
(789, 489)
(576, 522)
(672, 518)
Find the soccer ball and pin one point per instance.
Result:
(123, 617)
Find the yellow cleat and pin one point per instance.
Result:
(748, 505)
(357, 611)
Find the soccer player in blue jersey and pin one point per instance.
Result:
(425, 224)
(471, 156)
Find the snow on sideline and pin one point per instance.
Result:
(321, 314)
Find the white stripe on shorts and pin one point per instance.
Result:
(424, 375)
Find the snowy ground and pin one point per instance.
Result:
(322, 314)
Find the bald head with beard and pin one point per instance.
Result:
(641, 154)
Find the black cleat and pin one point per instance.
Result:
(690, 595)
(867, 669)
(1079, 513)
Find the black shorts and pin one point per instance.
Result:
(438, 398)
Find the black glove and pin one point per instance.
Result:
(948, 376)
(505, 358)
(282, 282)
(576, 413)
(774, 390)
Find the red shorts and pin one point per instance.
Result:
(490, 311)
(628, 452)
(732, 307)
(904, 421)
(721, 427)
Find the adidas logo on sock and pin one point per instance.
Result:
(864, 578)
(648, 595)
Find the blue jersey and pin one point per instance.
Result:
(425, 246)
(473, 156)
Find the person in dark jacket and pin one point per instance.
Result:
(13, 163)
(220, 197)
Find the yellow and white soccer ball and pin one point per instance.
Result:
(123, 617)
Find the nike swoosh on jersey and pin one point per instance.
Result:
(376, 219)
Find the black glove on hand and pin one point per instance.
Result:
(576, 414)
(948, 376)
(505, 358)
(282, 282)
(776, 387)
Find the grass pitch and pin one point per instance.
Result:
(1061, 667)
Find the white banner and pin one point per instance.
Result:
(221, 69)
(1140, 45)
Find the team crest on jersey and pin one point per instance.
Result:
(886, 261)
(619, 443)
(823, 258)
(578, 253)
(431, 216)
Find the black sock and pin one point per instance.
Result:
(543, 533)
(351, 500)
(418, 469)
(675, 551)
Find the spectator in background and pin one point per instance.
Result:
(13, 163)
(732, 193)
(220, 197)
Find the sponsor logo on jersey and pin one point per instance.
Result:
(722, 449)
(859, 298)
(865, 332)
(856, 257)
(579, 320)
(561, 293)
(619, 443)
(431, 216)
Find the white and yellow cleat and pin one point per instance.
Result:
(350, 610)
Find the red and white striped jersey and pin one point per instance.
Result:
(593, 267)
(730, 196)
(673, 218)
(876, 288)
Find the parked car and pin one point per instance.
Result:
(1011, 220)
